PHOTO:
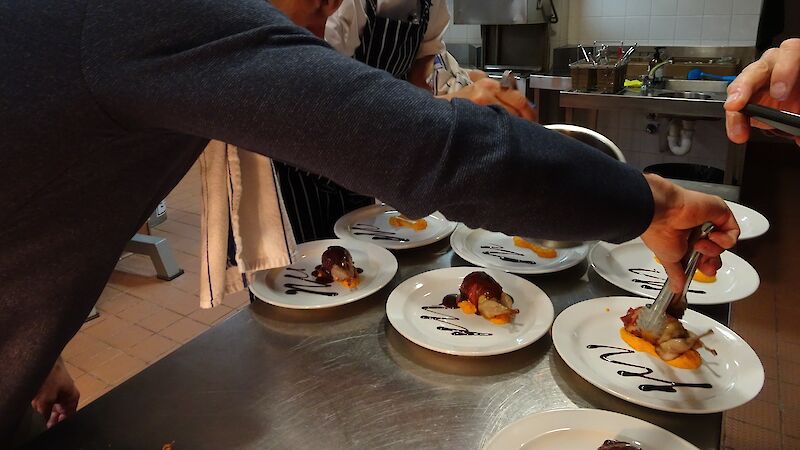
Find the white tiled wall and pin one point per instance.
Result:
(461, 34)
(665, 22)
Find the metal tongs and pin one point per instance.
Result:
(652, 318)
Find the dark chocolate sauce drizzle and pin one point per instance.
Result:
(294, 288)
(668, 386)
(443, 318)
(376, 233)
(503, 254)
(657, 284)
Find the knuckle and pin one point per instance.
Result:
(791, 45)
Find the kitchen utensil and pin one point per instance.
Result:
(652, 318)
(785, 121)
(697, 74)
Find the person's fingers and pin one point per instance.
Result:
(785, 70)
(676, 276)
(753, 77)
(738, 127)
(709, 265)
(708, 248)
(518, 102)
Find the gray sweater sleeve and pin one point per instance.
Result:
(241, 72)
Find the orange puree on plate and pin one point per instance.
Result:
(700, 277)
(401, 221)
(688, 360)
(543, 252)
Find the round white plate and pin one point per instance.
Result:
(453, 332)
(294, 287)
(751, 222)
(582, 429)
(633, 267)
(497, 251)
(735, 375)
(371, 224)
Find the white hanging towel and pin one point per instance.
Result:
(240, 193)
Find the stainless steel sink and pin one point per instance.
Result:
(685, 94)
(696, 85)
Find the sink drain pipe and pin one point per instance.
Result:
(679, 137)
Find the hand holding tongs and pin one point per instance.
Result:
(785, 121)
(651, 319)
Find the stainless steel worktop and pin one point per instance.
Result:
(344, 378)
(633, 100)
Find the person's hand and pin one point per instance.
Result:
(677, 212)
(58, 397)
(771, 81)
(486, 91)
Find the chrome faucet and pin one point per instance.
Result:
(648, 80)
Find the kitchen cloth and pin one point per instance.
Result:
(240, 193)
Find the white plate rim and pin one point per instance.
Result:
(507, 437)
(342, 231)
(259, 289)
(561, 339)
(600, 249)
(544, 320)
(760, 222)
(458, 244)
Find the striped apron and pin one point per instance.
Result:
(314, 203)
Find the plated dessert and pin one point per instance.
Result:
(481, 294)
(337, 265)
(611, 444)
(542, 252)
(403, 221)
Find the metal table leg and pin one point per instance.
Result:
(159, 252)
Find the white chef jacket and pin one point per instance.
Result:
(343, 29)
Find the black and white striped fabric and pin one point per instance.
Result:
(314, 203)
(391, 44)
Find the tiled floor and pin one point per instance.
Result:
(770, 319)
(142, 319)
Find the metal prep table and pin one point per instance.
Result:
(343, 378)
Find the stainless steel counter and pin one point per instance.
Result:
(632, 100)
(344, 378)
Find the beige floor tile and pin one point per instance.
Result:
(745, 436)
(90, 388)
(90, 361)
(153, 348)
(119, 369)
(184, 330)
(759, 413)
(189, 219)
(791, 422)
(81, 343)
(188, 282)
(127, 281)
(73, 371)
(237, 300)
(180, 302)
(108, 293)
(189, 263)
(159, 321)
(179, 228)
(212, 315)
(90, 323)
(127, 337)
(108, 327)
(118, 303)
(139, 312)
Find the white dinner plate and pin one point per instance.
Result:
(586, 335)
(633, 267)
(294, 287)
(371, 224)
(497, 251)
(564, 429)
(414, 310)
(751, 222)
